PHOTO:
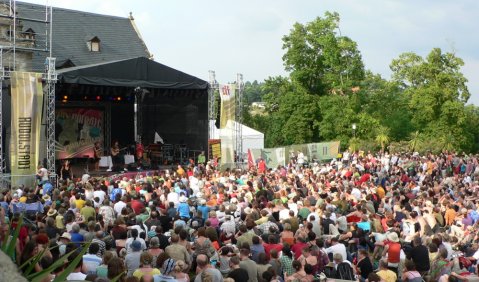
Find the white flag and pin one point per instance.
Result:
(158, 138)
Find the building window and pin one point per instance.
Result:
(94, 44)
(30, 34)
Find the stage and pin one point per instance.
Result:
(80, 169)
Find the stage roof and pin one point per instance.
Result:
(134, 72)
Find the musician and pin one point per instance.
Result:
(116, 157)
(97, 154)
(66, 172)
(140, 150)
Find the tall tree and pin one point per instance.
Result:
(437, 93)
(320, 58)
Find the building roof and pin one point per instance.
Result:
(73, 29)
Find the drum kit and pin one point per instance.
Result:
(168, 153)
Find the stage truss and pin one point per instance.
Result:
(8, 63)
(238, 143)
(212, 114)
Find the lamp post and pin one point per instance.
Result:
(354, 130)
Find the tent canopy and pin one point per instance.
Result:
(134, 72)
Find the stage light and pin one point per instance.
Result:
(85, 97)
(119, 98)
(65, 97)
(98, 97)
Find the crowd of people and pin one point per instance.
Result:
(360, 217)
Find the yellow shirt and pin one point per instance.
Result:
(387, 275)
(80, 203)
(59, 222)
(23, 199)
(381, 193)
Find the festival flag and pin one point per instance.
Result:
(250, 160)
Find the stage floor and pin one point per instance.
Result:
(79, 169)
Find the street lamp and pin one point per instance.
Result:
(354, 130)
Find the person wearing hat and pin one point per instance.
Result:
(392, 248)
(167, 269)
(63, 241)
(132, 260)
(183, 207)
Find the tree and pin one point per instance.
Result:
(320, 58)
(437, 93)
(382, 137)
(414, 141)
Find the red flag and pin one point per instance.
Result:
(250, 160)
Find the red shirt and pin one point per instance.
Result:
(137, 206)
(297, 249)
(269, 247)
(394, 251)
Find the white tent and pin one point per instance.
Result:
(252, 139)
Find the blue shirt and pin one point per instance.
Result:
(204, 212)
(77, 238)
(184, 210)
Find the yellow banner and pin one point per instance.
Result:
(27, 99)
(228, 106)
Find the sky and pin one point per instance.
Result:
(232, 37)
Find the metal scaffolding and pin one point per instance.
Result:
(50, 79)
(9, 62)
(212, 111)
(238, 143)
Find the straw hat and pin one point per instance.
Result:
(66, 235)
(393, 237)
(51, 212)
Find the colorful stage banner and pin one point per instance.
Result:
(228, 107)
(281, 156)
(27, 100)
(76, 131)
(273, 157)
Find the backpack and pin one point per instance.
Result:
(113, 194)
(345, 272)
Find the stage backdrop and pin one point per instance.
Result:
(76, 131)
(27, 99)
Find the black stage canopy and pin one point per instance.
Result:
(134, 72)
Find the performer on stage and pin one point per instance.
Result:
(66, 171)
(116, 157)
(140, 150)
(97, 154)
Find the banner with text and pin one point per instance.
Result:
(228, 107)
(27, 100)
(76, 131)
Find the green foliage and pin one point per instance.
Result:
(422, 108)
(382, 137)
(320, 58)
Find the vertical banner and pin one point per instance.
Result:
(27, 99)
(228, 107)
(76, 131)
(227, 118)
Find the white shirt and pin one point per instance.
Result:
(100, 194)
(339, 248)
(174, 198)
(43, 174)
(118, 207)
(356, 193)
(76, 276)
(283, 214)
